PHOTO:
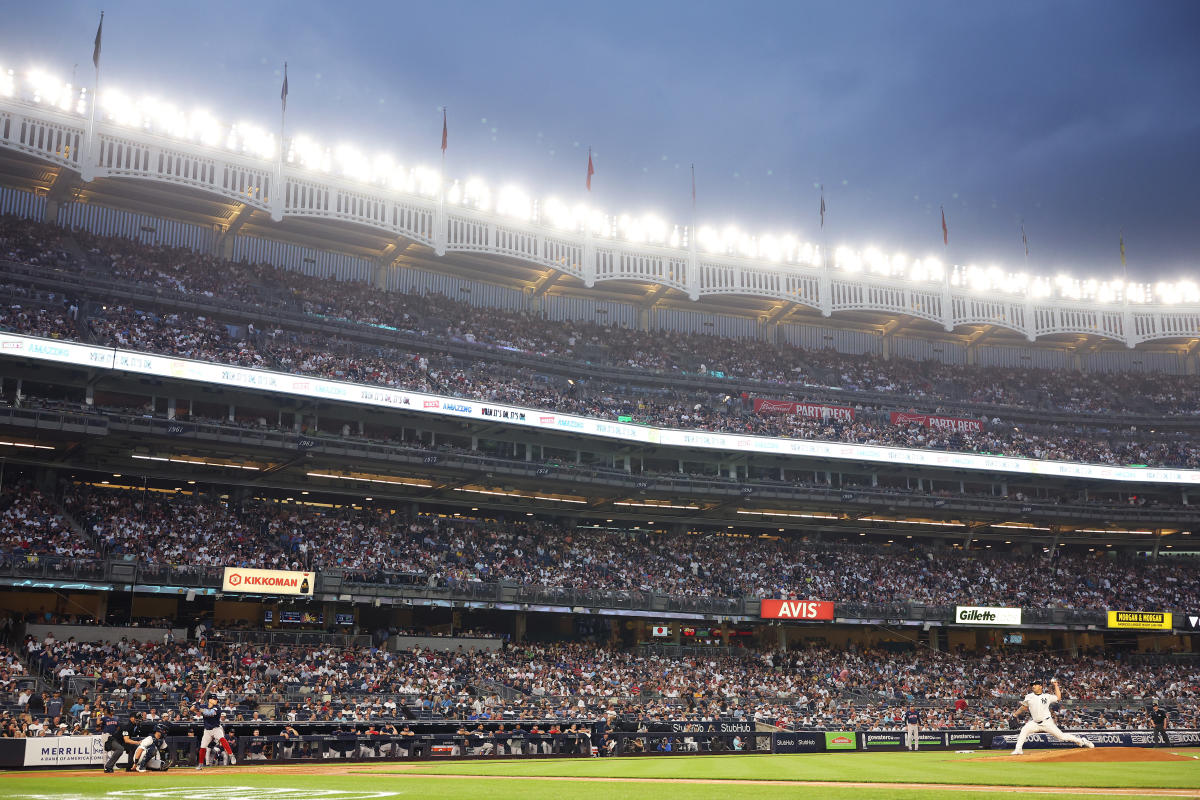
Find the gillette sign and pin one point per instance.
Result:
(986, 615)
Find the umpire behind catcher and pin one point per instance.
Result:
(1158, 716)
(124, 739)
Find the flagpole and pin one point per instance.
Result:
(87, 168)
(1025, 245)
(282, 128)
(439, 233)
(692, 232)
(824, 234)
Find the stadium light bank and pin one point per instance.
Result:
(159, 117)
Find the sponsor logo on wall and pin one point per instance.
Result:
(797, 609)
(986, 615)
(1140, 620)
(840, 740)
(268, 581)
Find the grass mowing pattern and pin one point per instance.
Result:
(894, 767)
(187, 785)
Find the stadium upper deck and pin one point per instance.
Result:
(379, 221)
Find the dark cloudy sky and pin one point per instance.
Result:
(1080, 118)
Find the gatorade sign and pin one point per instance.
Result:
(268, 581)
(801, 610)
(986, 615)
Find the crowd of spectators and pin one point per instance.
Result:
(237, 341)
(198, 337)
(31, 527)
(664, 351)
(815, 686)
(374, 545)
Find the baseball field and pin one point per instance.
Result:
(1116, 773)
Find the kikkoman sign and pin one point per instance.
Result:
(987, 615)
(268, 581)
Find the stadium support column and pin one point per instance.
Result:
(519, 624)
(64, 186)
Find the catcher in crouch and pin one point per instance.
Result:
(1037, 703)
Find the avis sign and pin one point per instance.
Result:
(986, 615)
(802, 610)
(268, 581)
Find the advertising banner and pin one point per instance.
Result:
(894, 740)
(797, 609)
(58, 751)
(798, 742)
(933, 421)
(1140, 620)
(986, 615)
(963, 739)
(1189, 622)
(54, 350)
(841, 740)
(763, 405)
(660, 630)
(415, 402)
(268, 581)
(717, 726)
(1125, 738)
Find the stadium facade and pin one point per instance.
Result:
(497, 459)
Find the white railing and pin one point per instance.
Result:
(449, 220)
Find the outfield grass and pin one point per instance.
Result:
(894, 767)
(486, 780)
(229, 785)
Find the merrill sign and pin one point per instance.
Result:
(268, 581)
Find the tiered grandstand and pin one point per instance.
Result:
(538, 465)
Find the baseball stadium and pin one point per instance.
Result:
(325, 477)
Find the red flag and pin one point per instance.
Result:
(284, 92)
(591, 170)
(822, 205)
(945, 230)
(443, 131)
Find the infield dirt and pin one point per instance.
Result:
(1099, 755)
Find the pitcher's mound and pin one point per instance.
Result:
(1099, 754)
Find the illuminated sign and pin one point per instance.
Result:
(797, 609)
(268, 581)
(1140, 620)
(15, 346)
(987, 615)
